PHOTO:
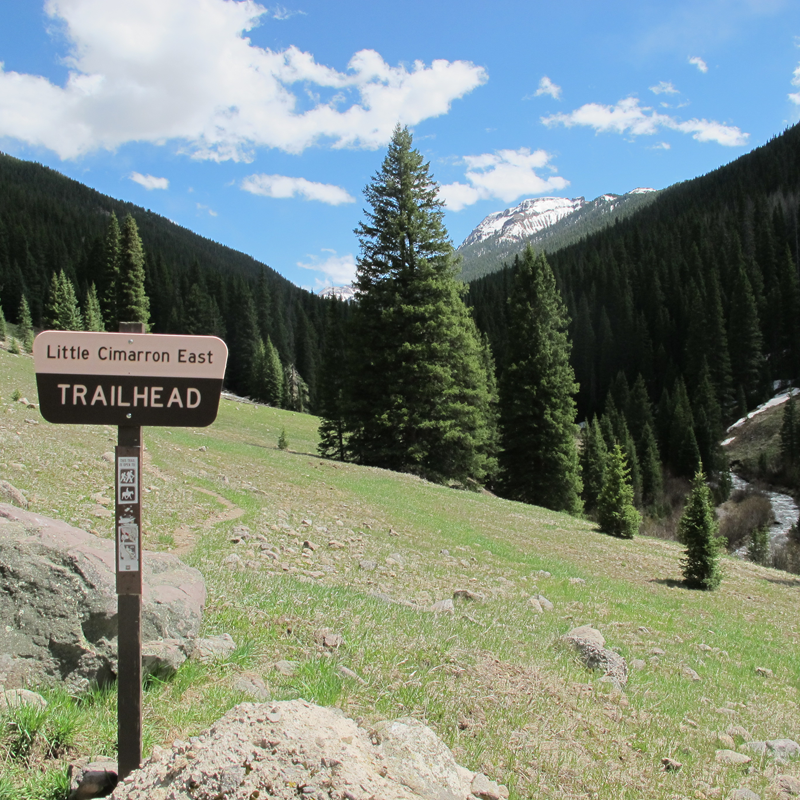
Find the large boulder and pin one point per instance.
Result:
(58, 602)
(589, 644)
(295, 749)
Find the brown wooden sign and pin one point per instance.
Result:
(129, 378)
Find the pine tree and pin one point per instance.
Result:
(62, 313)
(594, 455)
(25, 325)
(92, 315)
(416, 392)
(650, 466)
(758, 547)
(790, 438)
(2, 324)
(273, 375)
(684, 455)
(539, 459)
(698, 532)
(616, 513)
(132, 302)
(110, 276)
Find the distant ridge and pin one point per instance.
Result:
(546, 223)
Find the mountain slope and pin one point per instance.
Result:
(545, 223)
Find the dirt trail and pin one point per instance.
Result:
(186, 538)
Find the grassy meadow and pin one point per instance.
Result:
(490, 678)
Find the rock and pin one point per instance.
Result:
(689, 673)
(253, 686)
(534, 603)
(287, 668)
(576, 581)
(367, 565)
(782, 749)
(443, 606)
(731, 757)
(764, 672)
(308, 545)
(738, 730)
(162, 658)
(213, 648)
(396, 558)
(295, 749)
(10, 494)
(589, 643)
(14, 698)
(95, 779)
(543, 573)
(465, 595)
(787, 785)
(544, 602)
(743, 794)
(671, 765)
(348, 673)
(329, 639)
(335, 545)
(726, 741)
(58, 602)
(233, 561)
(638, 663)
(108, 456)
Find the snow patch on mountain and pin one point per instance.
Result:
(339, 292)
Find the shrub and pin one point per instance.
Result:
(758, 549)
(283, 442)
(747, 511)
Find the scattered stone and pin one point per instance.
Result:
(534, 603)
(764, 672)
(576, 581)
(233, 561)
(788, 785)
(743, 794)
(108, 457)
(58, 602)
(779, 749)
(589, 643)
(308, 545)
(465, 595)
(213, 648)
(93, 779)
(689, 673)
(671, 765)
(397, 558)
(638, 663)
(444, 552)
(543, 573)
(287, 668)
(335, 545)
(14, 698)
(163, 657)
(348, 673)
(738, 730)
(726, 741)
(10, 494)
(252, 686)
(203, 449)
(32, 421)
(728, 712)
(329, 639)
(544, 602)
(445, 606)
(657, 651)
(290, 749)
(367, 565)
(731, 757)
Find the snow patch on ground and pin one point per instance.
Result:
(775, 401)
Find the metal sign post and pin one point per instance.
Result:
(129, 379)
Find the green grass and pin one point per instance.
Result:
(491, 679)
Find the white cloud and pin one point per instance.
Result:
(662, 146)
(664, 87)
(183, 70)
(546, 86)
(504, 174)
(284, 186)
(210, 211)
(628, 117)
(699, 63)
(281, 13)
(338, 270)
(149, 181)
(795, 96)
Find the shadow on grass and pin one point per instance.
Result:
(792, 582)
(671, 582)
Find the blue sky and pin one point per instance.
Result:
(259, 125)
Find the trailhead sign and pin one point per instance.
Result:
(129, 378)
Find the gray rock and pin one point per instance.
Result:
(58, 602)
(787, 785)
(638, 663)
(779, 749)
(738, 730)
(14, 698)
(290, 749)
(233, 561)
(589, 643)
(544, 602)
(765, 672)
(162, 658)
(367, 565)
(689, 673)
(10, 494)
(287, 668)
(95, 779)
(731, 757)
(445, 606)
(465, 595)
(253, 686)
(743, 794)
(213, 648)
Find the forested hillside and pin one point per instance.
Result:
(50, 223)
(685, 313)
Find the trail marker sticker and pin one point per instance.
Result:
(128, 479)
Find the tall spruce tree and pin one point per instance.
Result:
(698, 532)
(132, 302)
(25, 324)
(417, 398)
(110, 277)
(539, 458)
(92, 314)
(594, 454)
(616, 513)
(61, 312)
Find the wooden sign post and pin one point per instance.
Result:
(129, 379)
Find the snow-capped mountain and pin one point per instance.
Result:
(544, 222)
(339, 292)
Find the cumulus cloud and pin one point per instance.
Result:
(795, 96)
(628, 117)
(149, 181)
(664, 87)
(546, 86)
(699, 63)
(504, 175)
(284, 186)
(184, 70)
(338, 270)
